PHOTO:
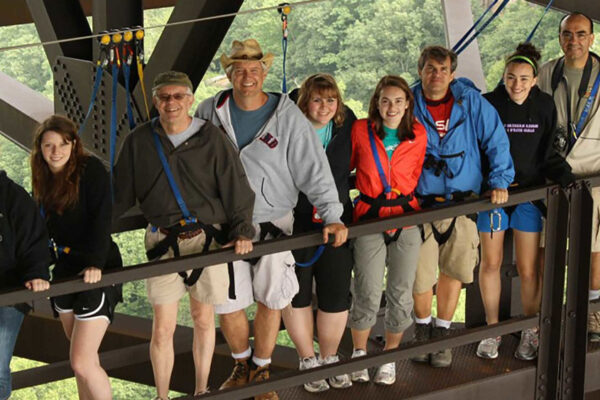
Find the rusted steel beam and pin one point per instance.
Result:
(590, 8)
(21, 110)
(15, 12)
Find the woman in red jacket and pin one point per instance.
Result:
(388, 150)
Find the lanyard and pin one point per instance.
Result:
(174, 188)
(586, 109)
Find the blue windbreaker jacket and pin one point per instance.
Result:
(474, 128)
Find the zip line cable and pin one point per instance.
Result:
(189, 21)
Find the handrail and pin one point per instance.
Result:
(156, 268)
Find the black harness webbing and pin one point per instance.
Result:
(433, 200)
(266, 228)
(380, 201)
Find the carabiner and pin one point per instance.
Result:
(495, 227)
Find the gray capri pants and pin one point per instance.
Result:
(370, 259)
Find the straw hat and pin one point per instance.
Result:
(248, 50)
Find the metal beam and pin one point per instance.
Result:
(589, 8)
(21, 110)
(156, 268)
(547, 378)
(578, 280)
(180, 48)
(458, 18)
(61, 19)
(15, 12)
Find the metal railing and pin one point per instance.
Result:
(563, 324)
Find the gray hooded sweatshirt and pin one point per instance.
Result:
(284, 158)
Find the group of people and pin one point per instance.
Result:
(252, 165)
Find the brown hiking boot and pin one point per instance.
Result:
(259, 375)
(239, 375)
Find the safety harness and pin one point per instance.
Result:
(187, 224)
(434, 200)
(376, 203)
(575, 129)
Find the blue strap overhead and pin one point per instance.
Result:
(113, 118)
(466, 35)
(530, 36)
(165, 164)
(586, 110)
(386, 186)
(467, 42)
(284, 46)
(98, 79)
(127, 73)
(284, 10)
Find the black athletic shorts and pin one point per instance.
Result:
(332, 274)
(89, 305)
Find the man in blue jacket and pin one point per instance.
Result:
(460, 125)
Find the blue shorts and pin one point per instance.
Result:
(525, 217)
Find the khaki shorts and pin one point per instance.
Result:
(271, 281)
(595, 223)
(211, 288)
(456, 258)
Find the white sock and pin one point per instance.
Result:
(423, 321)
(260, 362)
(244, 354)
(442, 323)
(594, 294)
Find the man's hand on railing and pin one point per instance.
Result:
(499, 196)
(242, 245)
(338, 230)
(37, 285)
(92, 275)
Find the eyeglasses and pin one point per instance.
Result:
(568, 36)
(164, 98)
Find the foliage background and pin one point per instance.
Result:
(357, 41)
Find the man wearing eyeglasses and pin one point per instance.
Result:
(574, 82)
(188, 181)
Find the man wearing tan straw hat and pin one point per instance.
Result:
(282, 155)
(170, 167)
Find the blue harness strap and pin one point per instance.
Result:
(530, 36)
(586, 110)
(127, 73)
(466, 43)
(318, 253)
(113, 120)
(386, 186)
(471, 29)
(98, 79)
(165, 164)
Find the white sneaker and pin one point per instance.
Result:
(386, 374)
(488, 348)
(316, 386)
(361, 376)
(339, 381)
(528, 346)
